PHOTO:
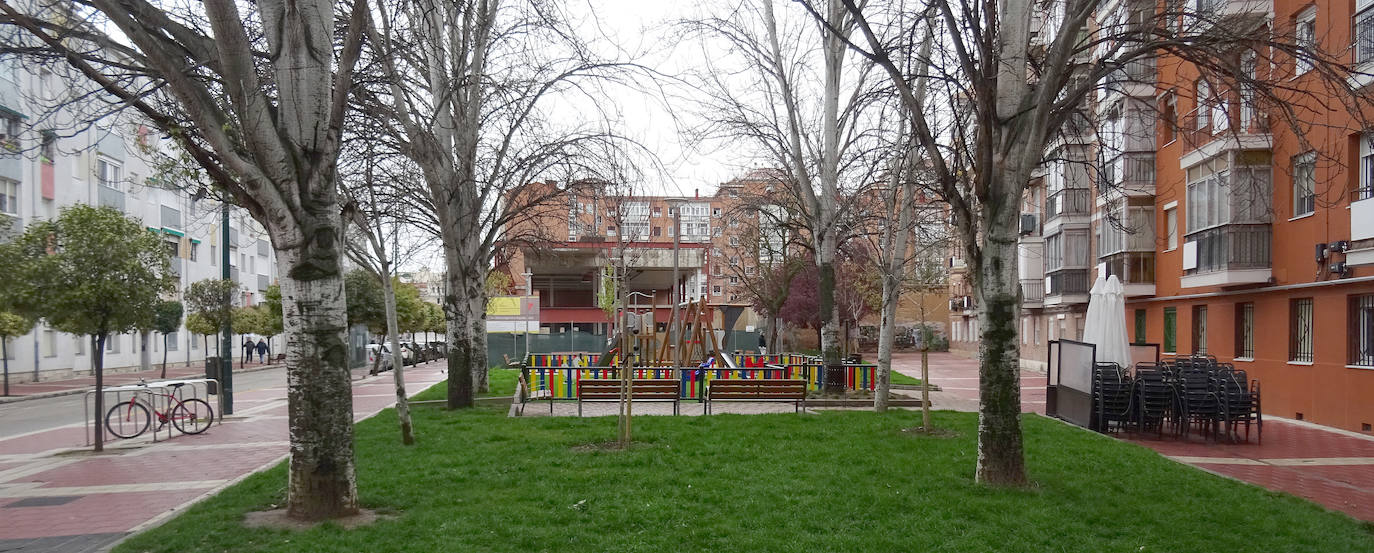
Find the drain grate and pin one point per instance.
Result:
(45, 501)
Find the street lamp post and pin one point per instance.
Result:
(675, 327)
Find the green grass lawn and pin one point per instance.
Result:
(836, 481)
(500, 381)
(901, 379)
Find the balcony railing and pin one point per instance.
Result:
(1200, 127)
(1068, 282)
(1068, 201)
(1032, 290)
(1137, 71)
(1132, 267)
(1233, 247)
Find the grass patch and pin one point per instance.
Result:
(500, 381)
(837, 481)
(904, 380)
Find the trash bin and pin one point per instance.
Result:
(212, 371)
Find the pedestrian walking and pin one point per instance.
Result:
(763, 345)
(248, 346)
(262, 350)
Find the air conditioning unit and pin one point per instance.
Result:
(1027, 224)
(1340, 246)
(1321, 252)
(1339, 268)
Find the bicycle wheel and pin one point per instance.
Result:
(126, 420)
(193, 416)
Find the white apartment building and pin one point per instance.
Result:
(43, 169)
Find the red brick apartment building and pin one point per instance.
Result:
(1234, 238)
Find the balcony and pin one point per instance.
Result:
(1362, 227)
(1228, 255)
(1136, 78)
(1136, 271)
(1203, 138)
(110, 197)
(1067, 202)
(1032, 293)
(1066, 286)
(1234, 15)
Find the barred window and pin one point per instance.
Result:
(1300, 330)
(1361, 323)
(1245, 330)
(1199, 329)
(1304, 183)
(1364, 35)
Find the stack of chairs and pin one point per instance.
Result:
(1111, 396)
(1237, 403)
(1156, 400)
(1198, 400)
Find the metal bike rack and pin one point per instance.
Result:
(158, 402)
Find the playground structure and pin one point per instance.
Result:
(649, 348)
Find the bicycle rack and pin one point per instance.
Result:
(198, 386)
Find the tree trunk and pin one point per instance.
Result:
(465, 306)
(5, 358)
(1000, 456)
(164, 355)
(891, 292)
(925, 386)
(99, 356)
(398, 373)
(322, 482)
(830, 335)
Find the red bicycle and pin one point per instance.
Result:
(128, 419)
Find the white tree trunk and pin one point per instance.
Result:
(319, 389)
(397, 371)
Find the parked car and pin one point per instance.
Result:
(379, 358)
(407, 354)
(436, 350)
(417, 353)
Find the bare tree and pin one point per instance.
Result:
(257, 100)
(807, 108)
(1020, 75)
(465, 91)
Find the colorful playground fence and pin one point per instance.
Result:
(561, 381)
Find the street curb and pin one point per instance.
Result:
(59, 393)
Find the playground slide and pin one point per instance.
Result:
(729, 361)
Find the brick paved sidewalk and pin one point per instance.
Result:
(1331, 467)
(57, 496)
(49, 388)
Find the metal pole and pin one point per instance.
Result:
(675, 329)
(226, 363)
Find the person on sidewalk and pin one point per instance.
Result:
(763, 345)
(248, 346)
(262, 350)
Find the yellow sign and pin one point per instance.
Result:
(507, 306)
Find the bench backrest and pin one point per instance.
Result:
(757, 389)
(640, 388)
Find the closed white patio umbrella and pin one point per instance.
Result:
(1105, 326)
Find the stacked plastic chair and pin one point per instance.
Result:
(1111, 396)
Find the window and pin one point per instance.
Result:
(1364, 33)
(1249, 73)
(12, 126)
(107, 173)
(1170, 329)
(48, 147)
(610, 230)
(1139, 326)
(658, 231)
(112, 343)
(734, 280)
(1199, 329)
(1245, 330)
(715, 231)
(9, 197)
(1365, 188)
(172, 341)
(1304, 183)
(734, 240)
(214, 259)
(1300, 330)
(1202, 99)
(80, 344)
(658, 211)
(49, 343)
(715, 212)
(195, 250)
(1305, 36)
(1169, 116)
(1361, 323)
(195, 342)
(715, 290)
(1171, 226)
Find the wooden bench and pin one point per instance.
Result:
(641, 389)
(756, 390)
